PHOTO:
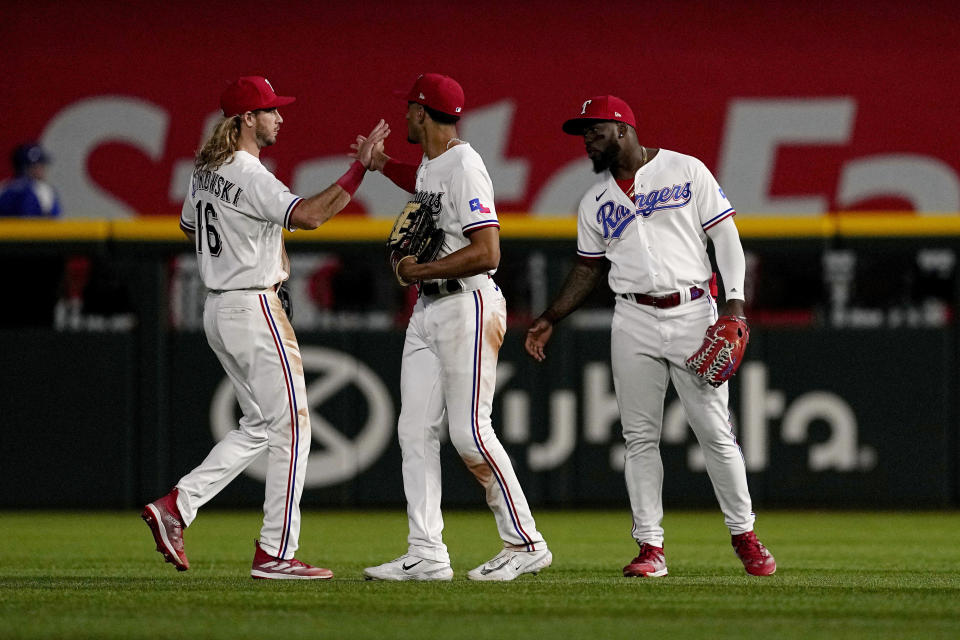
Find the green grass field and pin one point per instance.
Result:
(840, 575)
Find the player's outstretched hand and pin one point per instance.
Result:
(379, 132)
(371, 156)
(369, 150)
(537, 337)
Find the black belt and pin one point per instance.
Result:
(275, 287)
(661, 302)
(440, 287)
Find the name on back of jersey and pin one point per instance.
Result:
(614, 217)
(215, 184)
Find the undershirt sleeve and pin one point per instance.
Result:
(730, 259)
(402, 174)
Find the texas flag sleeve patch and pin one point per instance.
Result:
(476, 205)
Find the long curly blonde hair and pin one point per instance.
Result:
(219, 147)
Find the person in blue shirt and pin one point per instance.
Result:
(28, 194)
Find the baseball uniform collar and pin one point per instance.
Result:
(651, 164)
(449, 153)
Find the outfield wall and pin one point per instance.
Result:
(798, 108)
(848, 396)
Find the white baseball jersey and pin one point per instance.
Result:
(656, 244)
(456, 188)
(239, 212)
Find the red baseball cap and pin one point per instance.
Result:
(600, 109)
(439, 92)
(249, 93)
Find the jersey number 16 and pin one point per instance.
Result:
(204, 216)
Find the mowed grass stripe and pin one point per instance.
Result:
(840, 575)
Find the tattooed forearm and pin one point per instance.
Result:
(581, 280)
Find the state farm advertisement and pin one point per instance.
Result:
(797, 109)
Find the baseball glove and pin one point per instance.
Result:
(721, 353)
(415, 234)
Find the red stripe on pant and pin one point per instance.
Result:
(478, 346)
(291, 401)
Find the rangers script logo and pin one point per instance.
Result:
(614, 218)
(666, 198)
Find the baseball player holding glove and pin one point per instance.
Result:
(447, 240)
(414, 236)
(235, 214)
(650, 215)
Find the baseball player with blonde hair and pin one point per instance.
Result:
(235, 214)
(448, 371)
(650, 214)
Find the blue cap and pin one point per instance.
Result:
(27, 155)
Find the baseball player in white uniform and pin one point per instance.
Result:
(650, 215)
(448, 373)
(235, 213)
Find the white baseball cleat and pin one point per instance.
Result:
(410, 567)
(509, 564)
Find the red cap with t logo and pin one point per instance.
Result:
(248, 94)
(600, 109)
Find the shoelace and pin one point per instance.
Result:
(749, 547)
(287, 565)
(648, 553)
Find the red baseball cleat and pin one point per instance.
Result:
(163, 518)
(651, 563)
(754, 556)
(267, 567)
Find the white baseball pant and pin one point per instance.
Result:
(448, 373)
(255, 343)
(649, 347)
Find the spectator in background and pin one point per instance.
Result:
(67, 292)
(28, 194)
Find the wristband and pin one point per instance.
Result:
(350, 181)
